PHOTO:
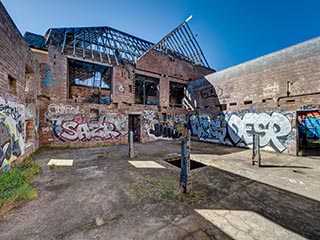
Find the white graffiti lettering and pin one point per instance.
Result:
(61, 109)
(73, 131)
(270, 128)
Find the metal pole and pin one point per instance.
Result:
(185, 177)
(130, 141)
(256, 156)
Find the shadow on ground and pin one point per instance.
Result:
(104, 197)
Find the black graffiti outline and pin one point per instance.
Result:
(162, 130)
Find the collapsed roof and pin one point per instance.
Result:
(109, 43)
(35, 40)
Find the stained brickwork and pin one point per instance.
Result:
(19, 87)
(288, 80)
(251, 98)
(156, 122)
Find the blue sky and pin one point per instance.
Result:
(229, 31)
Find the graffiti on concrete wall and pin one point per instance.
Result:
(309, 124)
(11, 132)
(171, 128)
(274, 129)
(70, 124)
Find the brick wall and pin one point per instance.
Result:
(265, 90)
(158, 62)
(19, 87)
(285, 80)
(156, 122)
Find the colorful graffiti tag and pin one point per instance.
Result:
(207, 126)
(309, 124)
(11, 132)
(274, 129)
(70, 124)
(9, 146)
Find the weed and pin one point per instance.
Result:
(15, 183)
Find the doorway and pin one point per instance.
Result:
(134, 126)
(309, 132)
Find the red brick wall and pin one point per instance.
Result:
(17, 63)
(269, 89)
(266, 81)
(158, 62)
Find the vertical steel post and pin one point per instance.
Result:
(130, 141)
(185, 177)
(256, 156)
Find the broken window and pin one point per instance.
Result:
(176, 94)
(146, 90)
(89, 82)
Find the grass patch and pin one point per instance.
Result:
(15, 184)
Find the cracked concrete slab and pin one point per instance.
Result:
(102, 196)
(248, 225)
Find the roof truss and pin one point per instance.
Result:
(112, 46)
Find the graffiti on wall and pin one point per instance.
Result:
(274, 129)
(70, 124)
(48, 81)
(309, 124)
(162, 130)
(209, 92)
(171, 128)
(11, 132)
(270, 129)
(56, 110)
(207, 126)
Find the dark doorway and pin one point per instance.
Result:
(134, 126)
(309, 132)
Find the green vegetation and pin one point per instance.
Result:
(15, 184)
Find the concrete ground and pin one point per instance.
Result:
(103, 196)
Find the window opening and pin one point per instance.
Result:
(146, 90)
(29, 78)
(89, 82)
(29, 125)
(12, 85)
(222, 107)
(176, 94)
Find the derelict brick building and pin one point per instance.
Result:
(89, 86)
